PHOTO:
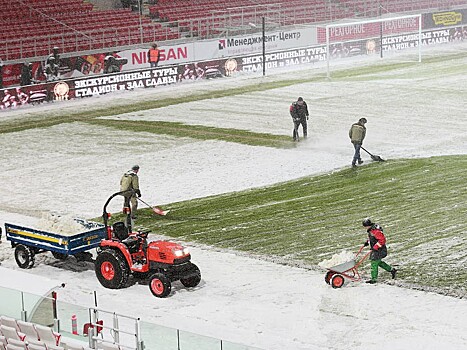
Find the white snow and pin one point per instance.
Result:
(73, 168)
(61, 224)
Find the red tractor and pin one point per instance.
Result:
(126, 253)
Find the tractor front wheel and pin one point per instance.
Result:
(111, 269)
(24, 256)
(193, 280)
(160, 285)
(337, 281)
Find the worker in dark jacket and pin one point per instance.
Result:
(56, 55)
(299, 114)
(26, 74)
(130, 182)
(377, 242)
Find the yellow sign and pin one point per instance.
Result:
(447, 18)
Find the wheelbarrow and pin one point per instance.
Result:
(336, 275)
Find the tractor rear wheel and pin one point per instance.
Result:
(194, 280)
(337, 281)
(111, 269)
(160, 285)
(24, 256)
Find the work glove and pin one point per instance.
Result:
(138, 193)
(366, 244)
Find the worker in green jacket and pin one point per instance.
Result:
(357, 134)
(128, 182)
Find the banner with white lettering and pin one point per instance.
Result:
(124, 81)
(224, 47)
(92, 85)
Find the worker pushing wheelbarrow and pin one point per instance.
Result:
(336, 275)
(377, 242)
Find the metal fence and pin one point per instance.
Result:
(130, 333)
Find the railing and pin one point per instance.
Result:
(99, 39)
(129, 332)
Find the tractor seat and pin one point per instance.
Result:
(120, 230)
(132, 243)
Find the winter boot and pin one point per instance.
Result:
(371, 281)
(393, 273)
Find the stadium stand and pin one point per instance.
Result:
(11, 333)
(206, 18)
(18, 343)
(22, 335)
(10, 322)
(76, 25)
(73, 26)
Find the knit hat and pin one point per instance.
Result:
(367, 222)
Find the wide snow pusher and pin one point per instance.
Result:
(125, 253)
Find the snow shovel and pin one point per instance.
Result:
(156, 210)
(373, 157)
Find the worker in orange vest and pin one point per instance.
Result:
(153, 55)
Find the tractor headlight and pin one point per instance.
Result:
(181, 252)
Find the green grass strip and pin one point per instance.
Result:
(199, 132)
(421, 203)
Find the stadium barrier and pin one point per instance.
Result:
(59, 315)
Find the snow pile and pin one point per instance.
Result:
(337, 259)
(61, 224)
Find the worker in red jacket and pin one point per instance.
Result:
(377, 242)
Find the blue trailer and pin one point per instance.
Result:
(29, 241)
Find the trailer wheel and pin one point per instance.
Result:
(60, 256)
(192, 281)
(337, 281)
(24, 256)
(328, 276)
(111, 269)
(160, 285)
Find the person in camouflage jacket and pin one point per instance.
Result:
(130, 182)
(357, 134)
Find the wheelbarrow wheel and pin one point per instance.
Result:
(337, 281)
(328, 277)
